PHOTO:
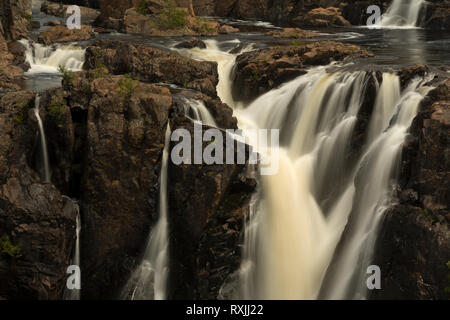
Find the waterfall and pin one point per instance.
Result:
(402, 13)
(319, 204)
(149, 280)
(197, 111)
(313, 224)
(47, 59)
(45, 163)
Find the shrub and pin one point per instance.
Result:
(143, 7)
(126, 87)
(67, 75)
(57, 109)
(172, 17)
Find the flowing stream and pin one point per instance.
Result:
(47, 59)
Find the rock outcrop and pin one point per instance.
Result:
(413, 247)
(59, 10)
(64, 34)
(207, 208)
(437, 15)
(15, 18)
(257, 72)
(153, 65)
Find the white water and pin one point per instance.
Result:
(402, 13)
(149, 280)
(47, 59)
(45, 163)
(225, 62)
(197, 111)
(300, 214)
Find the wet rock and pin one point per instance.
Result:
(53, 23)
(60, 10)
(64, 34)
(206, 215)
(34, 217)
(321, 17)
(225, 29)
(437, 15)
(153, 65)
(18, 51)
(257, 72)
(36, 24)
(193, 43)
(407, 74)
(419, 221)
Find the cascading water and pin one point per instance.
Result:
(44, 59)
(149, 280)
(225, 62)
(197, 111)
(402, 13)
(45, 163)
(313, 224)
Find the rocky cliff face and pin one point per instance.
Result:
(15, 22)
(414, 244)
(37, 223)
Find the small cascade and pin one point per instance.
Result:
(47, 59)
(45, 162)
(402, 13)
(197, 111)
(225, 62)
(149, 280)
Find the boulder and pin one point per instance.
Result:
(293, 33)
(153, 65)
(59, 10)
(64, 34)
(193, 43)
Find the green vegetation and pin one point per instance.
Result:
(297, 43)
(202, 26)
(67, 75)
(57, 109)
(99, 71)
(143, 7)
(20, 117)
(255, 76)
(7, 248)
(126, 87)
(172, 17)
(428, 215)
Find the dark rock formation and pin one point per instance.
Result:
(413, 247)
(34, 217)
(59, 10)
(15, 18)
(153, 65)
(259, 71)
(207, 208)
(193, 43)
(437, 15)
